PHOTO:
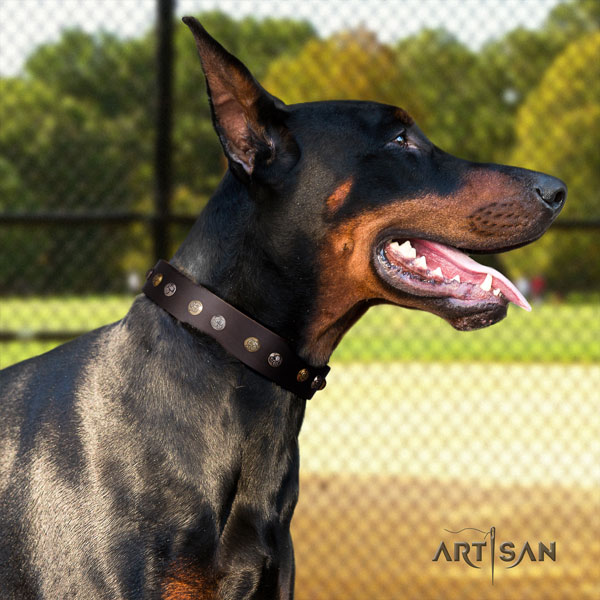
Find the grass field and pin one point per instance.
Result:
(550, 333)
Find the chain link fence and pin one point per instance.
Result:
(422, 431)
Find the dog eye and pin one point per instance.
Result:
(401, 139)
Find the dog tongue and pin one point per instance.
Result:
(467, 265)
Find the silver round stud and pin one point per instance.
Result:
(252, 344)
(218, 322)
(275, 359)
(195, 307)
(170, 289)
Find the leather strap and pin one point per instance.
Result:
(251, 343)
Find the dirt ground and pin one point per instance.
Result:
(395, 454)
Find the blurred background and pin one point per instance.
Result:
(107, 154)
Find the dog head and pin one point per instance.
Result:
(367, 208)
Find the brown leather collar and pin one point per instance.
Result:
(254, 345)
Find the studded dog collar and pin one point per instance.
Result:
(251, 343)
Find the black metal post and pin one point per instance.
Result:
(162, 165)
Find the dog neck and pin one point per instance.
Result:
(226, 252)
(234, 436)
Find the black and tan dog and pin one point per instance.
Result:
(143, 460)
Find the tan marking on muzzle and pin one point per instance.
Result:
(339, 195)
(347, 279)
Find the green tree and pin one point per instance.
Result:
(573, 18)
(78, 135)
(115, 76)
(351, 65)
(447, 91)
(13, 190)
(43, 129)
(117, 79)
(510, 67)
(557, 132)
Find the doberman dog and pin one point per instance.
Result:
(143, 460)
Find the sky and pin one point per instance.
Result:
(25, 24)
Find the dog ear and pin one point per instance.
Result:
(248, 120)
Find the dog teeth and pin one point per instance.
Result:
(486, 286)
(421, 263)
(437, 273)
(456, 278)
(406, 250)
(496, 292)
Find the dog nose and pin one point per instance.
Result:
(551, 190)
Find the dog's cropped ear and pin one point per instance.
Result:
(248, 120)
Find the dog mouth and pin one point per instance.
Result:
(461, 286)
